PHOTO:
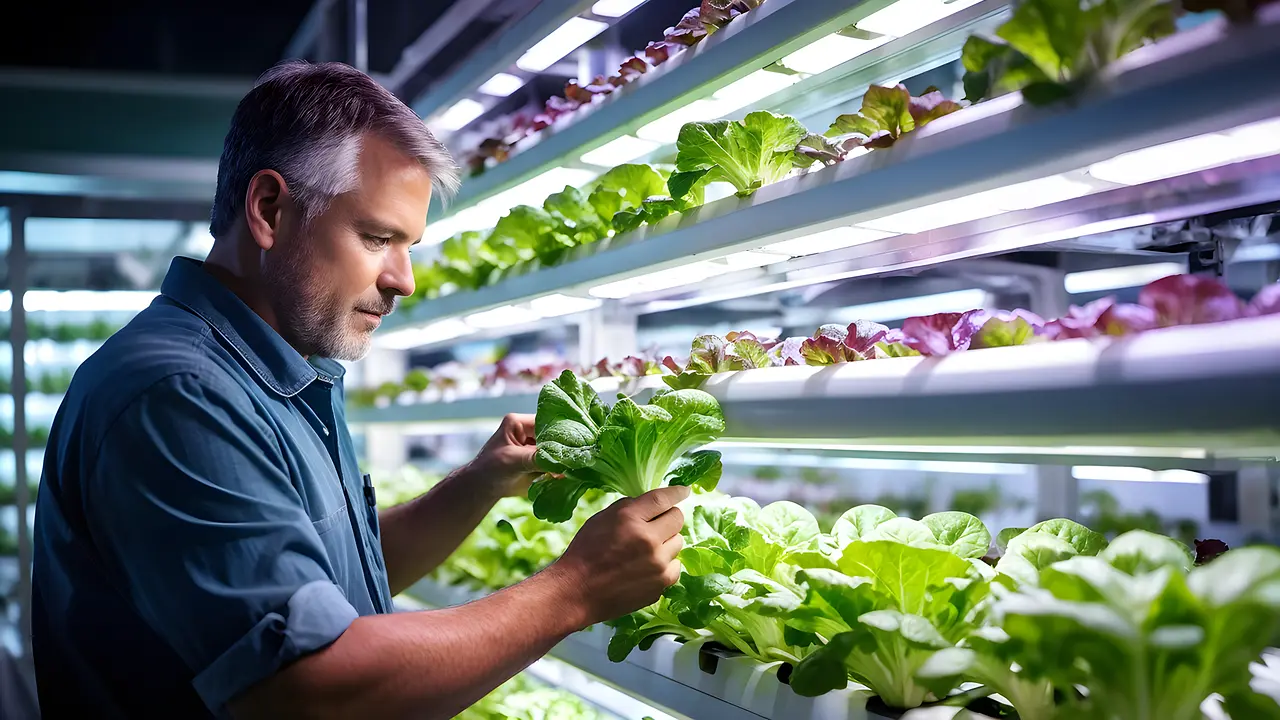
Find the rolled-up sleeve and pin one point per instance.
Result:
(193, 511)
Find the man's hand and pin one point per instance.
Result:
(505, 463)
(625, 555)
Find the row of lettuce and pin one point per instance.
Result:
(1052, 621)
(525, 698)
(1173, 301)
(1047, 50)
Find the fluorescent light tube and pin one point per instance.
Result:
(666, 129)
(619, 151)
(500, 317)
(409, 338)
(1257, 139)
(615, 8)
(472, 218)
(535, 191)
(80, 300)
(562, 41)
(1103, 473)
(830, 51)
(1090, 281)
(1036, 193)
(957, 301)
(756, 86)
(937, 215)
(906, 16)
(460, 115)
(1168, 160)
(501, 85)
(825, 241)
(556, 305)
(661, 280)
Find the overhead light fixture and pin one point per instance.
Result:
(1103, 473)
(1090, 281)
(1258, 139)
(409, 338)
(830, 51)
(500, 317)
(666, 129)
(661, 280)
(1168, 160)
(534, 191)
(930, 217)
(826, 241)
(756, 86)
(881, 446)
(906, 16)
(1036, 193)
(460, 115)
(80, 300)
(501, 85)
(619, 151)
(562, 41)
(615, 8)
(957, 301)
(472, 218)
(557, 305)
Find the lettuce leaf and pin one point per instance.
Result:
(751, 153)
(629, 448)
(1190, 300)
(887, 114)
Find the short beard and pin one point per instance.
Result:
(310, 321)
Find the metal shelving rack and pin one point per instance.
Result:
(1160, 94)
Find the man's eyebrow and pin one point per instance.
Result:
(374, 227)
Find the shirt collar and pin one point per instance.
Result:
(259, 346)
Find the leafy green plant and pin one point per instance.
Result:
(523, 698)
(629, 448)
(1048, 49)
(749, 154)
(887, 114)
(904, 590)
(1140, 632)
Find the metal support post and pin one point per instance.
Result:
(1057, 492)
(385, 449)
(358, 34)
(18, 343)
(608, 331)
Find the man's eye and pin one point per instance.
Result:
(377, 239)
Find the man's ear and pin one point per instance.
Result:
(264, 203)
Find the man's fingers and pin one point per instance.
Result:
(655, 502)
(671, 548)
(523, 455)
(520, 426)
(668, 524)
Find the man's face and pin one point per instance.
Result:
(331, 282)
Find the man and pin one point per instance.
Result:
(204, 546)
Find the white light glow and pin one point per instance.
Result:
(739, 453)
(615, 8)
(80, 300)
(666, 129)
(752, 259)
(906, 16)
(893, 446)
(1167, 160)
(825, 241)
(472, 218)
(830, 51)
(957, 301)
(500, 317)
(930, 217)
(756, 86)
(718, 191)
(556, 305)
(535, 191)
(661, 280)
(460, 115)
(1103, 473)
(409, 338)
(562, 41)
(619, 151)
(1258, 139)
(1035, 193)
(501, 85)
(1091, 281)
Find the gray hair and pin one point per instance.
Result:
(307, 121)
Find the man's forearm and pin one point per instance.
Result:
(424, 664)
(418, 535)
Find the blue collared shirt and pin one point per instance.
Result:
(202, 520)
